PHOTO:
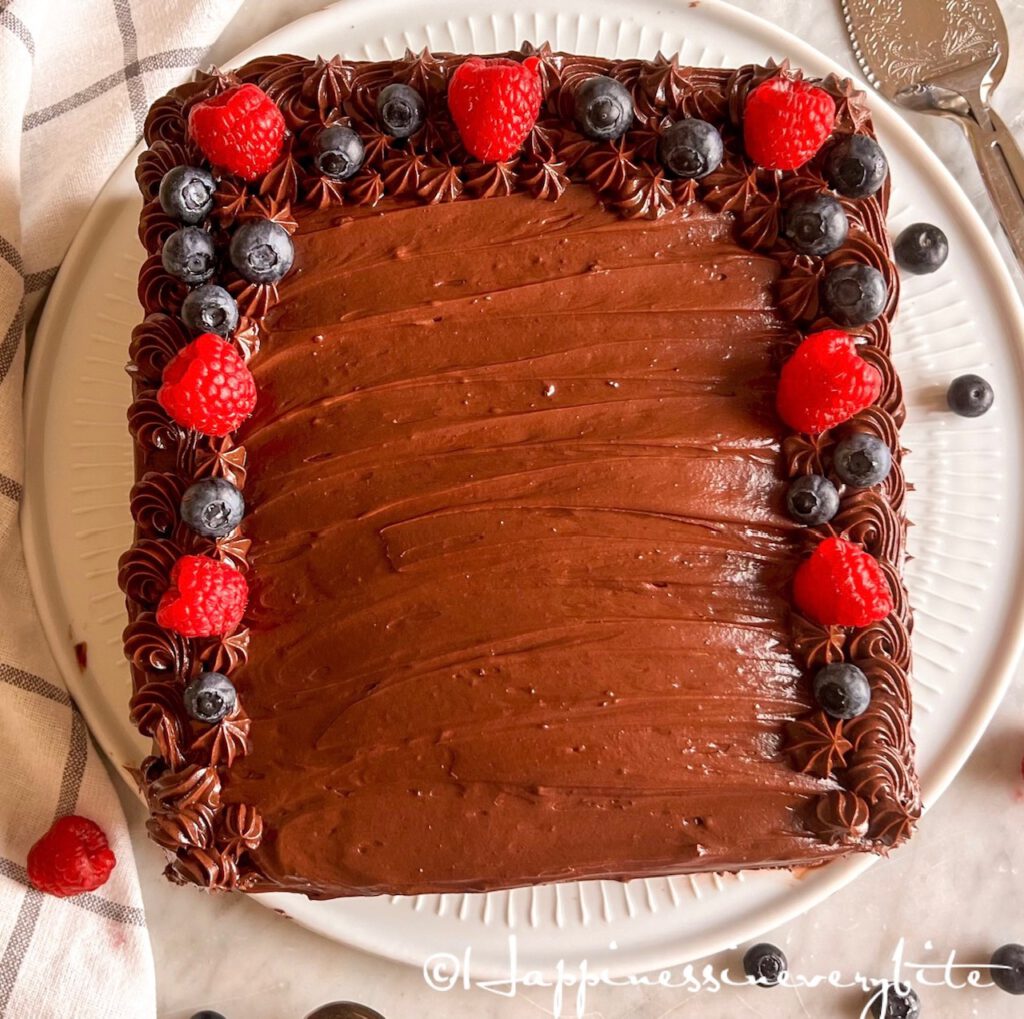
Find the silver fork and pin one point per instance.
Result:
(946, 57)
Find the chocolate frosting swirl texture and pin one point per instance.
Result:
(515, 539)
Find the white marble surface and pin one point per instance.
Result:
(957, 887)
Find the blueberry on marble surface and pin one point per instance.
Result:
(344, 1010)
(895, 1001)
(815, 227)
(1008, 968)
(186, 193)
(189, 255)
(603, 108)
(856, 166)
(921, 248)
(862, 460)
(339, 152)
(262, 251)
(210, 309)
(812, 499)
(970, 396)
(690, 148)
(212, 507)
(854, 294)
(842, 690)
(210, 697)
(401, 110)
(765, 964)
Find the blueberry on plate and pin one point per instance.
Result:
(970, 396)
(1008, 968)
(186, 193)
(212, 507)
(895, 1001)
(812, 499)
(842, 690)
(210, 309)
(690, 148)
(815, 227)
(207, 1014)
(401, 110)
(854, 294)
(339, 152)
(765, 964)
(210, 697)
(921, 248)
(862, 460)
(603, 108)
(344, 1010)
(856, 166)
(261, 251)
(189, 255)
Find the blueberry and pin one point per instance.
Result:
(186, 193)
(895, 1001)
(189, 254)
(210, 309)
(207, 1014)
(812, 499)
(842, 690)
(921, 248)
(1008, 968)
(261, 251)
(603, 108)
(210, 697)
(970, 396)
(401, 110)
(765, 964)
(339, 152)
(862, 460)
(344, 1010)
(856, 166)
(212, 507)
(854, 294)
(690, 148)
(815, 227)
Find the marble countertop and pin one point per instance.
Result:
(957, 887)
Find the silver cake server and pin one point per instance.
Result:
(946, 57)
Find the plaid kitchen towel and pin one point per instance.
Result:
(76, 77)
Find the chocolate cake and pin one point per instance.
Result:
(515, 536)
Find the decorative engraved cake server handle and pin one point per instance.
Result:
(946, 57)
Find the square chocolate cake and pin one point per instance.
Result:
(519, 492)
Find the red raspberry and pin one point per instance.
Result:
(494, 104)
(785, 122)
(71, 858)
(206, 598)
(841, 585)
(240, 129)
(825, 382)
(207, 386)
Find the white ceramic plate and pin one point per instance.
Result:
(964, 579)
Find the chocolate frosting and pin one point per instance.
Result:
(817, 744)
(842, 817)
(519, 571)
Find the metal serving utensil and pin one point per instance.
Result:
(946, 57)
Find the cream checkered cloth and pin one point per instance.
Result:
(76, 78)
